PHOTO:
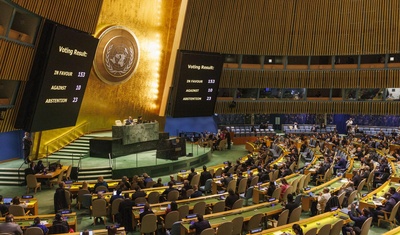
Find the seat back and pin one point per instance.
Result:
(283, 218)
(300, 186)
(68, 198)
(16, 210)
(189, 192)
(298, 199)
(254, 181)
(101, 188)
(361, 186)
(195, 180)
(176, 228)
(277, 193)
(153, 197)
(115, 206)
(336, 228)
(393, 213)
(170, 219)
(312, 231)
(324, 230)
(225, 228)
(294, 185)
(295, 215)
(99, 208)
(31, 181)
(351, 197)
(207, 186)
(341, 198)
(370, 180)
(271, 176)
(140, 200)
(231, 170)
(87, 200)
(255, 221)
(366, 226)
(242, 186)
(231, 185)
(238, 204)
(173, 195)
(150, 184)
(183, 211)
(307, 180)
(208, 231)
(219, 207)
(199, 208)
(249, 193)
(33, 231)
(149, 224)
(218, 172)
(289, 190)
(237, 226)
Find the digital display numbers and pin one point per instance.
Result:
(67, 66)
(196, 83)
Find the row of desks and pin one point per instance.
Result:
(27, 221)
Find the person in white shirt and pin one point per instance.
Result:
(323, 199)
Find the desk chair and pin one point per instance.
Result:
(58, 179)
(33, 231)
(242, 186)
(254, 222)
(207, 187)
(351, 197)
(114, 207)
(225, 228)
(238, 204)
(101, 188)
(295, 215)
(31, 183)
(336, 228)
(195, 180)
(169, 220)
(208, 231)
(366, 226)
(99, 209)
(173, 195)
(237, 226)
(199, 208)
(248, 195)
(282, 219)
(153, 197)
(184, 211)
(312, 231)
(17, 210)
(325, 230)
(218, 207)
(389, 217)
(79, 199)
(149, 224)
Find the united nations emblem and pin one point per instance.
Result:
(117, 55)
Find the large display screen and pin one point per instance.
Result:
(58, 79)
(196, 83)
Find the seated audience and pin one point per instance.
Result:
(36, 223)
(231, 199)
(100, 182)
(199, 225)
(59, 225)
(10, 226)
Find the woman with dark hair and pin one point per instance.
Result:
(172, 207)
(271, 188)
(297, 229)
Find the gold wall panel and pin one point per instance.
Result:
(153, 23)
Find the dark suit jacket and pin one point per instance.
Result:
(291, 206)
(196, 194)
(205, 175)
(230, 200)
(200, 226)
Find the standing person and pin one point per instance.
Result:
(26, 146)
(228, 138)
(125, 211)
(60, 201)
(349, 123)
(204, 176)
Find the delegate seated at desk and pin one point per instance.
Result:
(10, 226)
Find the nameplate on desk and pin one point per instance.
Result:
(191, 216)
(256, 230)
(27, 196)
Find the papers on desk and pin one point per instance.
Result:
(345, 210)
(163, 208)
(44, 222)
(312, 169)
(218, 182)
(241, 194)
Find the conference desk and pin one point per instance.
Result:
(379, 193)
(334, 185)
(246, 212)
(50, 175)
(27, 221)
(313, 222)
(396, 171)
(74, 187)
(120, 231)
(261, 190)
(160, 208)
(395, 231)
(31, 205)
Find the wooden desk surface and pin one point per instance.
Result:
(334, 185)
(395, 231)
(367, 201)
(27, 221)
(120, 231)
(74, 188)
(50, 175)
(309, 223)
(246, 212)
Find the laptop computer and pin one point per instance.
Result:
(7, 200)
